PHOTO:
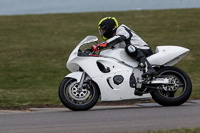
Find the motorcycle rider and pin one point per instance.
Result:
(124, 37)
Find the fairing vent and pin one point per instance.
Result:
(102, 68)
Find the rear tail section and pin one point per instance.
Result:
(167, 55)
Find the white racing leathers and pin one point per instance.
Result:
(124, 33)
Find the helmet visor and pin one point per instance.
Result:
(101, 31)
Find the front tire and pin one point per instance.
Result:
(78, 99)
(178, 92)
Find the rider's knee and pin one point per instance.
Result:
(131, 50)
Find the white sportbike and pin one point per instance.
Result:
(111, 75)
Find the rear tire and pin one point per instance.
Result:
(181, 84)
(78, 99)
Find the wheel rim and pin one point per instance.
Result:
(177, 86)
(78, 96)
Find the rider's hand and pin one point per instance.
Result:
(99, 46)
(95, 47)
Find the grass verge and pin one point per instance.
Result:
(182, 130)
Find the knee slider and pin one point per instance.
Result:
(131, 49)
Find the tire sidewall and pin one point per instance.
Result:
(76, 107)
(166, 101)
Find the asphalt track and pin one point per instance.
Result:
(101, 119)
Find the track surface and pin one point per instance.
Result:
(119, 119)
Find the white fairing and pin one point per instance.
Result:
(119, 54)
(119, 63)
(168, 55)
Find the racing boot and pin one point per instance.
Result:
(149, 71)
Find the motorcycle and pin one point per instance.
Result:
(111, 75)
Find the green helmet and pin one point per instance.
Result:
(107, 26)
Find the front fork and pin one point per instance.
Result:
(85, 81)
(80, 76)
(81, 80)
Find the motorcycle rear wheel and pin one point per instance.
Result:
(176, 94)
(78, 99)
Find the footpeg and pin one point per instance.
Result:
(138, 93)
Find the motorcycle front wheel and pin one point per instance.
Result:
(175, 93)
(78, 99)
